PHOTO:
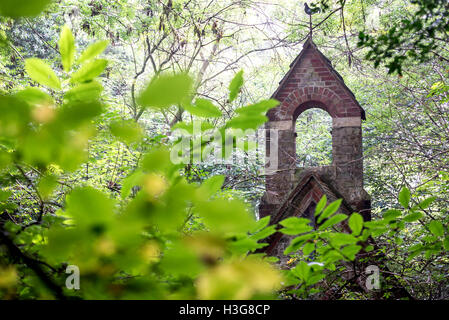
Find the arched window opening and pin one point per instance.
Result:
(313, 138)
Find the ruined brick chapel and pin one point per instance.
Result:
(312, 82)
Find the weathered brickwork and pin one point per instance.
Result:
(311, 82)
(291, 191)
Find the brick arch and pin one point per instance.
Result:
(305, 98)
(310, 105)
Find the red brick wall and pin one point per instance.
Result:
(313, 83)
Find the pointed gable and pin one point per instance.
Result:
(301, 203)
(313, 82)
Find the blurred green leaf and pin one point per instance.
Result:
(35, 96)
(46, 185)
(181, 260)
(203, 108)
(22, 8)
(211, 186)
(93, 50)
(404, 197)
(85, 92)
(342, 239)
(157, 160)
(308, 248)
(127, 131)
(166, 90)
(67, 48)
(235, 86)
(134, 179)
(295, 225)
(246, 122)
(260, 107)
(89, 71)
(195, 127)
(42, 73)
(76, 113)
(261, 223)
(225, 216)
(90, 209)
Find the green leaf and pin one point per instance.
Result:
(297, 242)
(333, 221)
(226, 217)
(245, 245)
(425, 203)
(46, 185)
(404, 197)
(22, 8)
(93, 50)
(436, 227)
(85, 92)
(260, 224)
(302, 271)
(235, 86)
(341, 239)
(134, 179)
(203, 108)
(211, 186)
(166, 90)
(75, 114)
(356, 223)
(157, 160)
(308, 248)
(193, 128)
(266, 232)
(295, 225)
(67, 48)
(127, 131)
(350, 251)
(259, 108)
(392, 214)
(181, 260)
(330, 210)
(245, 122)
(42, 73)
(90, 207)
(414, 216)
(320, 205)
(89, 71)
(34, 96)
